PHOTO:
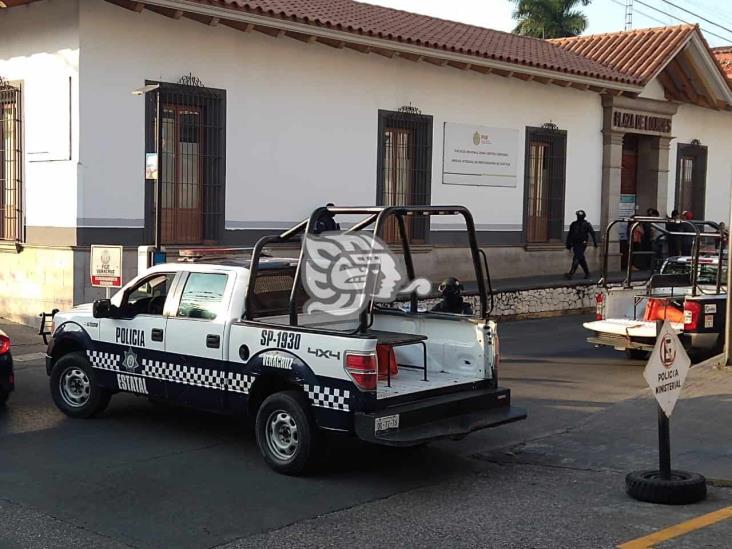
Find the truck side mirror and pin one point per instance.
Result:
(103, 308)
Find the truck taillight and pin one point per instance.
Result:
(496, 354)
(600, 306)
(692, 315)
(4, 344)
(363, 369)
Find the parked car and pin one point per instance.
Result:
(7, 378)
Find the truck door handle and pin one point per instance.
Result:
(156, 334)
(213, 341)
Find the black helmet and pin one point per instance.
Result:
(451, 286)
(581, 214)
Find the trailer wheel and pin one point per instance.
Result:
(74, 387)
(683, 488)
(287, 435)
(637, 354)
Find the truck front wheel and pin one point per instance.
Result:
(287, 435)
(74, 387)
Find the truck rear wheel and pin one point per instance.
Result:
(287, 435)
(74, 387)
(637, 354)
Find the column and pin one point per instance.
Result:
(612, 162)
(662, 149)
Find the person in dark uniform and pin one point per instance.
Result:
(673, 241)
(577, 238)
(326, 222)
(451, 291)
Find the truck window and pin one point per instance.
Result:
(148, 297)
(272, 293)
(202, 296)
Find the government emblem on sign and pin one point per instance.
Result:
(668, 351)
(129, 362)
(666, 370)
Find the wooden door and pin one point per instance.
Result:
(182, 175)
(398, 178)
(537, 227)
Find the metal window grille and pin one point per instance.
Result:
(691, 179)
(545, 169)
(11, 163)
(404, 169)
(191, 162)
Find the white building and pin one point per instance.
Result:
(268, 113)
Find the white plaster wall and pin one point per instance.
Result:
(713, 129)
(302, 119)
(654, 90)
(39, 46)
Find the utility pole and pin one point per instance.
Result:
(628, 15)
(728, 312)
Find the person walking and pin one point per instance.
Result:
(577, 237)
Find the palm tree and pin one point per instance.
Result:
(549, 18)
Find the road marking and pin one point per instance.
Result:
(681, 529)
(28, 357)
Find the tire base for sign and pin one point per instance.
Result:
(681, 489)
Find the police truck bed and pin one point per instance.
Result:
(412, 381)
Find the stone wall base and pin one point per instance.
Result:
(537, 303)
(35, 280)
(43, 278)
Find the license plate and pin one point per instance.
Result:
(386, 423)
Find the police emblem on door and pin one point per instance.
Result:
(129, 362)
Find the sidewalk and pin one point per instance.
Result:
(24, 339)
(556, 281)
(624, 437)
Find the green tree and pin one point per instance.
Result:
(549, 18)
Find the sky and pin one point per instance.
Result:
(603, 15)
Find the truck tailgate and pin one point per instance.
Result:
(449, 415)
(628, 327)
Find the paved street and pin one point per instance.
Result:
(152, 476)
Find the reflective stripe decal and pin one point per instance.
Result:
(328, 397)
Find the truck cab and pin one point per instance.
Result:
(235, 336)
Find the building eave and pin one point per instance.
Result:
(368, 44)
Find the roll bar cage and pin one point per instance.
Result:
(660, 224)
(376, 216)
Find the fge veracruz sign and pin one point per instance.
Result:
(106, 266)
(479, 155)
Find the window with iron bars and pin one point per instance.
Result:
(544, 183)
(404, 169)
(11, 163)
(192, 162)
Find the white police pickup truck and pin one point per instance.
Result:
(233, 336)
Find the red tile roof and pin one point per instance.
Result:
(724, 56)
(421, 30)
(640, 53)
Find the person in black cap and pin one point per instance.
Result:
(452, 299)
(577, 238)
(326, 222)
